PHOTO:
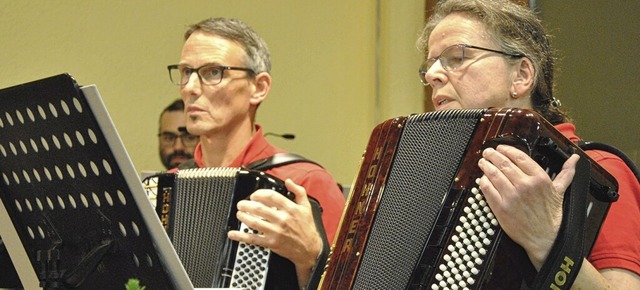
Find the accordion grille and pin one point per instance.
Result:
(201, 221)
(422, 171)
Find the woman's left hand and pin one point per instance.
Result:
(525, 200)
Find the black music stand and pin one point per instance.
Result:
(8, 276)
(73, 210)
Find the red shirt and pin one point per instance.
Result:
(317, 181)
(618, 244)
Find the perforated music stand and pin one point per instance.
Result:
(73, 211)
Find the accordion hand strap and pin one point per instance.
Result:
(565, 258)
(318, 269)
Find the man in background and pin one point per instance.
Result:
(175, 144)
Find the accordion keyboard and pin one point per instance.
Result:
(473, 235)
(251, 264)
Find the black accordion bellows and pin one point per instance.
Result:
(197, 218)
(416, 219)
(413, 196)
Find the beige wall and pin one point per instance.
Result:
(339, 67)
(598, 78)
(324, 64)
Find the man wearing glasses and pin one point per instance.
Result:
(224, 76)
(175, 144)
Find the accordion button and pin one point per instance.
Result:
(471, 249)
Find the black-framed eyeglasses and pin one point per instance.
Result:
(169, 139)
(208, 74)
(453, 57)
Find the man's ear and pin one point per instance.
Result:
(524, 78)
(262, 87)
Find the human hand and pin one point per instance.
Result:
(286, 227)
(524, 199)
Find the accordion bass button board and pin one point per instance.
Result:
(416, 219)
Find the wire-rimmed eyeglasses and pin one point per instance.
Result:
(169, 139)
(453, 57)
(208, 74)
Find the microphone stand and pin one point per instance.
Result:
(287, 136)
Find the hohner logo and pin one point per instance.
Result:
(561, 275)
(362, 200)
(166, 207)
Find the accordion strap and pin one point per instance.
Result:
(278, 159)
(565, 258)
(590, 145)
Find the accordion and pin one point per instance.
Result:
(416, 219)
(197, 208)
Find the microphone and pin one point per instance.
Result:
(287, 136)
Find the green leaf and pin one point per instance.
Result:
(134, 284)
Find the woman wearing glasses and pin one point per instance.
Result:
(496, 54)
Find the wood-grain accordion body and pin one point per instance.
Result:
(415, 218)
